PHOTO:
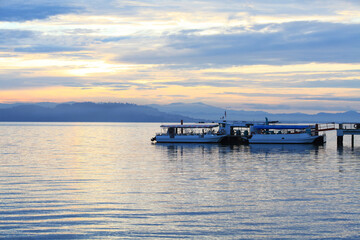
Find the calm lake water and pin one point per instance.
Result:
(108, 181)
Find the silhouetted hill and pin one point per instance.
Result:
(203, 111)
(88, 112)
(125, 112)
(41, 104)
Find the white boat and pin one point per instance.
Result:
(302, 134)
(194, 133)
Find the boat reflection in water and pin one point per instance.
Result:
(191, 149)
(188, 149)
(285, 148)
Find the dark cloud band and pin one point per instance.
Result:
(289, 43)
(27, 12)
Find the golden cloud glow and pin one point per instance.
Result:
(91, 67)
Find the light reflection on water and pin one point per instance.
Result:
(106, 180)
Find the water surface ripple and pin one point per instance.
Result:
(107, 181)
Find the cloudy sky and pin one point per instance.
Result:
(278, 56)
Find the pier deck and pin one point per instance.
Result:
(347, 129)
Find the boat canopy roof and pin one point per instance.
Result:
(282, 126)
(190, 126)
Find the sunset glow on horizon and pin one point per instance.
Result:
(292, 56)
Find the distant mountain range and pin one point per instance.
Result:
(85, 112)
(125, 112)
(204, 111)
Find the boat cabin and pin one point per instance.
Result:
(283, 129)
(194, 129)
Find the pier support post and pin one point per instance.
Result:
(340, 141)
(352, 140)
(340, 136)
(182, 130)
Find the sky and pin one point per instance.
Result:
(276, 56)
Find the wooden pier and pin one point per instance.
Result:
(347, 129)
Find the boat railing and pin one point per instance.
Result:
(188, 133)
(309, 131)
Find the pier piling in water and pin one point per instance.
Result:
(340, 141)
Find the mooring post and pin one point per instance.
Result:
(352, 140)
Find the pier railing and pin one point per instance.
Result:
(337, 126)
(326, 127)
(349, 126)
